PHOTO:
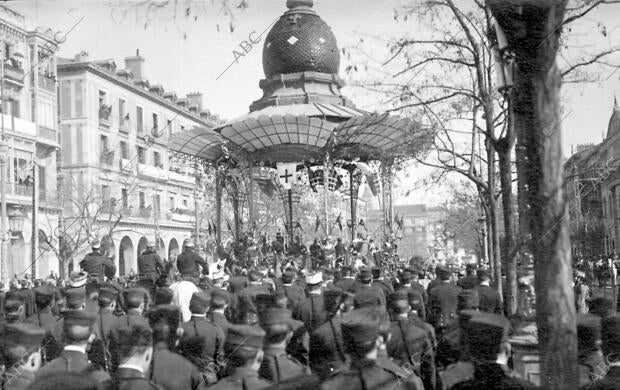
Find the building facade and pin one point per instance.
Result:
(120, 183)
(29, 125)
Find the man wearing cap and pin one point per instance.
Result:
(298, 248)
(150, 267)
(442, 301)
(135, 353)
(364, 332)
(168, 369)
(134, 302)
(610, 337)
(490, 301)
(100, 349)
(190, 262)
(199, 326)
(487, 336)
(590, 358)
(470, 280)
(20, 345)
(43, 317)
(97, 265)
(327, 354)
(247, 313)
(77, 335)
(277, 365)
(367, 287)
(348, 282)
(244, 352)
(409, 344)
(415, 291)
(220, 300)
(294, 293)
(310, 311)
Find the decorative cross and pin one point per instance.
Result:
(294, 18)
(286, 176)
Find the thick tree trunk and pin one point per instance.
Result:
(494, 219)
(533, 32)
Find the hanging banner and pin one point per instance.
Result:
(286, 174)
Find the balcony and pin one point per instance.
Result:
(18, 125)
(105, 112)
(47, 134)
(13, 73)
(123, 126)
(106, 157)
(126, 165)
(182, 215)
(47, 82)
(151, 171)
(181, 177)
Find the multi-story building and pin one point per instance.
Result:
(120, 182)
(29, 125)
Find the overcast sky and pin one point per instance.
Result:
(186, 55)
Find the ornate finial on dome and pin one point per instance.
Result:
(291, 4)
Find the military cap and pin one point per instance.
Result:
(77, 279)
(482, 274)
(246, 336)
(274, 316)
(588, 332)
(95, 244)
(75, 297)
(78, 318)
(163, 296)
(136, 335)
(397, 300)
(468, 299)
(108, 293)
(288, 276)
(442, 269)
(470, 267)
(169, 314)
(26, 335)
(219, 297)
(406, 276)
(199, 303)
(362, 326)
(314, 279)
(365, 276)
(43, 295)
(188, 243)
(486, 331)
(265, 301)
(366, 297)
(600, 306)
(133, 297)
(610, 335)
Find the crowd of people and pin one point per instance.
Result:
(189, 324)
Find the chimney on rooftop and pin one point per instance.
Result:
(195, 99)
(81, 56)
(136, 65)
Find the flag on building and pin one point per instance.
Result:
(286, 174)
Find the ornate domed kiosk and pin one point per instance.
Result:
(303, 126)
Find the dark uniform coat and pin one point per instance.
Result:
(212, 334)
(327, 354)
(385, 286)
(442, 302)
(188, 264)
(241, 379)
(310, 311)
(130, 379)
(295, 294)
(410, 344)
(100, 349)
(492, 376)
(172, 371)
(368, 375)
(247, 311)
(132, 317)
(44, 318)
(73, 361)
(220, 320)
(97, 264)
(277, 366)
(489, 300)
(348, 284)
(150, 265)
(455, 373)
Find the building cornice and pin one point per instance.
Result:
(99, 71)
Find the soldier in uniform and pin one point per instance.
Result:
(340, 250)
(135, 353)
(490, 301)
(442, 301)
(168, 369)
(294, 293)
(366, 287)
(298, 248)
(219, 302)
(470, 280)
(134, 303)
(379, 282)
(100, 350)
(43, 317)
(277, 365)
(198, 326)
(150, 267)
(189, 262)
(326, 345)
(244, 349)
(97, 265)
(20, 345)
(310, 311)
(348, 282)
(463, 369)
(590, 358)
(487, 336)
(409, 344)
(77, 335)
(363, 332)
